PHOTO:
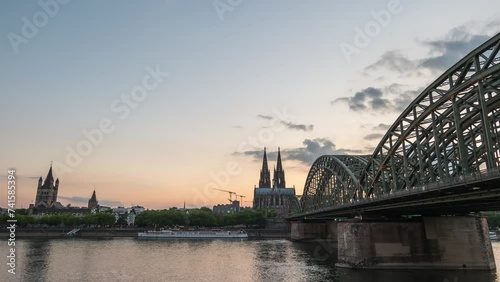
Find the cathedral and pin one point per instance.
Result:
(273, 195)
(46, 193)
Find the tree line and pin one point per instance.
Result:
(69, 220)
(203, 217)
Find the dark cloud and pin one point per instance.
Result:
(84, 200)
(382, 126)
(451, 49)
(312, 149)
(393, 60)
(294, 126)
(265, 117)
(443, 53)
(370, 98)
(373, 136)
(392, 99)
(257, 154)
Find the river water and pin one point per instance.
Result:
(128, 259)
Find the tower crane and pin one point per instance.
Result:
(230, 194)
(241, 197)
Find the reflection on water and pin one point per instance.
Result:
(36, 260)
(126, 259)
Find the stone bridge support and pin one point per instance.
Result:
(432, 243)
(454, 242)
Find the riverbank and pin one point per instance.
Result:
(122, 232)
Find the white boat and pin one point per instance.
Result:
(493, 236)
(193, 234)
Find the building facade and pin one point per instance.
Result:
(234, 207)
(273, 195)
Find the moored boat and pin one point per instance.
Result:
(193, 234)
(493, 236)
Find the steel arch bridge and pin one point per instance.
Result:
(442, 154)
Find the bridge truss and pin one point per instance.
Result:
(444, 145)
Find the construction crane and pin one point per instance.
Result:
(241, 197)
(230, 194)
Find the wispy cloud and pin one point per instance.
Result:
(296, 126)
(382, 126)
(373, 136)
(84, 200)
(443, 53)
(266, 117)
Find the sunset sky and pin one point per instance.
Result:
(158, 102)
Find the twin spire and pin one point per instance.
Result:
(278, 177)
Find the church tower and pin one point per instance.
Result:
(93, 201)
(265, 175)
(46, 193)
(279, 174)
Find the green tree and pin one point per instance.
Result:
(105, 219)
(201, 217)
(493, 219)
(121, 221)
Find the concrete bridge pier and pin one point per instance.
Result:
(308, 231)
(430, 243)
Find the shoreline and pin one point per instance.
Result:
(23, 233)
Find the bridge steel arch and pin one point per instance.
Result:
(450, 131)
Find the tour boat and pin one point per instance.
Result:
(192, 234)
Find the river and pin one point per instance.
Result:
(128, 259)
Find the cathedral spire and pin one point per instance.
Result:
(49, 179)
(93, 198)
(279, 167)
(279, 173)
(265, 178)
(93, 203)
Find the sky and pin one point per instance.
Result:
(157, 103)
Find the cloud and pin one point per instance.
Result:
(312, 149)
(20, 176)
(370, 98)
(382, 126)
(294, 126)
(443, 52)
(391, 98)
(111, 203)
(84, 200)
(373, 136)
(265, 117)
(393, 60)
(258, 154)
(451, 49)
